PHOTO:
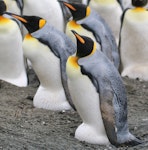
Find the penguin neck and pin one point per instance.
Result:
(3, 19)
(139, 9)
(28, 36)
(73, 61)
(105, 1)
(74, 24)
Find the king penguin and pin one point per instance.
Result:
(14, 6)
(48, 49)
(12, 68)
(111, 11)
(47, 9)
(99, 96)
(87, 22)
(133, 42)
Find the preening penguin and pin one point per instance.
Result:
(133, 41)
(98, 94)
(89, 23)
(111, 11)
(12, 68)
(48, 49)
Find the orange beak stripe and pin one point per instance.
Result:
(20, 18)
(70, 6)
(80, 38)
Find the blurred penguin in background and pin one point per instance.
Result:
(12, 68)
(14, 6)
(87, 22)
(47, 48)
(111, 11)
(47, 9)
(133, 42)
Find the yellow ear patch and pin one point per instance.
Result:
(88, 10)
(70, 6)
(73, 61)
(42, 22)
(20, 18)
(94, 48)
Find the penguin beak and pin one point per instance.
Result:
(68, 5)
(17, 17)
(78, 36)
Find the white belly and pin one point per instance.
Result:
(133, 49)
(12, 68)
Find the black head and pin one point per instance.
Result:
(32, 23)
(2, 7)
(139, 3)
(85, 45)
(78, 11)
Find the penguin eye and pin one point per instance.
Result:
(42, 22)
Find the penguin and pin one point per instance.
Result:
(13, 6)
(87, 22)
(128, 4)
(111, 11)
(47, 9)
(48, 49)
(12, 68)
(99, 96)
(133, 42)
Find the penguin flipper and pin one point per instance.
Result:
(64, 81)
(20, 4)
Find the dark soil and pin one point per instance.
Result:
(27, 128)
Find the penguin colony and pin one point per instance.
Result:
(80, 68)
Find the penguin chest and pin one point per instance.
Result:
(134, 37)
(11, 53)
(83, 93)
(44, 62)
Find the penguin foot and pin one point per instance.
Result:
(136, 72)
(51, 100)
(129, 140)
(90, 134)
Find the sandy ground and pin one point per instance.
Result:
(27, 128)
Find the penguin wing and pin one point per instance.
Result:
(64, 81)
(121, 4)
(20, 4)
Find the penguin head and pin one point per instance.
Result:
(2, 7)
(32, 23)
(78, 11)
(139, 3)
(85, 45)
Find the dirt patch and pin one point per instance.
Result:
(24, 127)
